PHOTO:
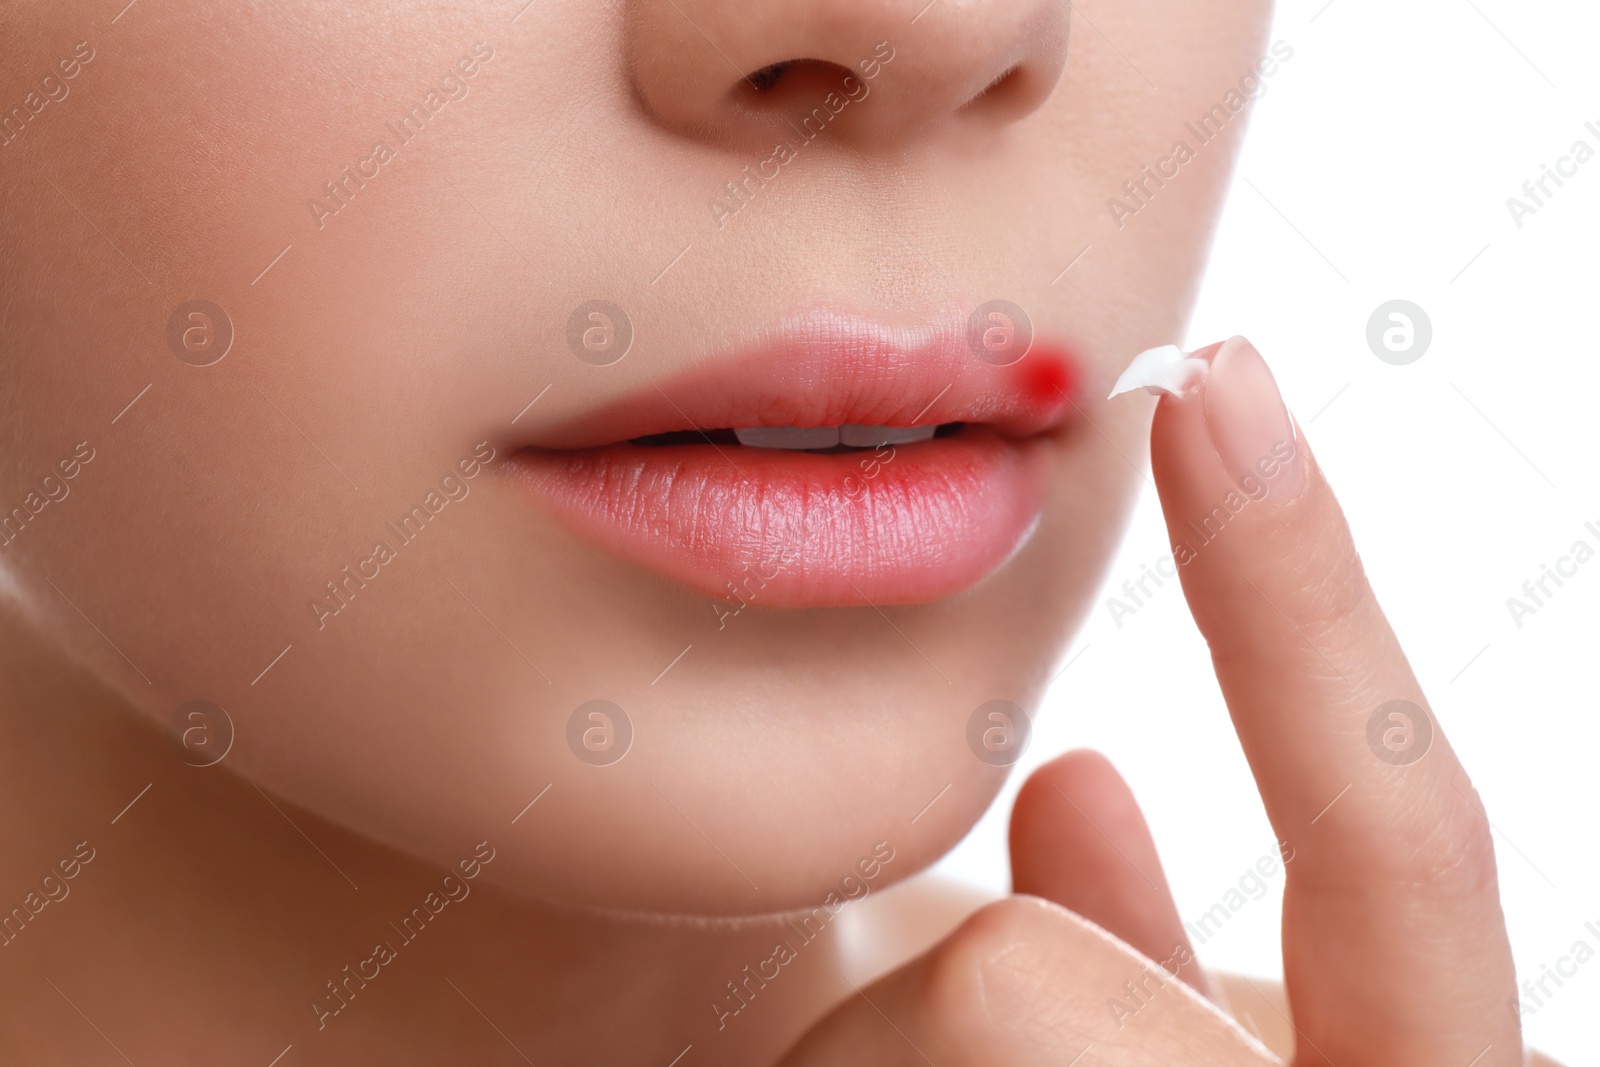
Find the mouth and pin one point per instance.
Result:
(837, 462)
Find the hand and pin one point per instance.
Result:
(1395, 949)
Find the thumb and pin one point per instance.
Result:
(1078, 839)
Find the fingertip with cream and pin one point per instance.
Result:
(1249, 425)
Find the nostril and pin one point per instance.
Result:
(767, 77)
(792, 82)
(998, 94)
(731, 72)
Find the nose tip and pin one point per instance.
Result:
(734, 70)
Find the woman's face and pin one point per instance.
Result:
(314, 409)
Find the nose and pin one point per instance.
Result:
(874, 73)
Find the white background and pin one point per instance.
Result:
(1378, 166)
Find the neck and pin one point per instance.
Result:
(181, 913)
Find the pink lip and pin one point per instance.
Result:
(772, 528)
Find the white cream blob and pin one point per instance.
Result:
(1161, 370)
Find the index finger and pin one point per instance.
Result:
(1395, 949)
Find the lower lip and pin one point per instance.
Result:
(896, 525)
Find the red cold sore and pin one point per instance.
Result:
(1045, 375)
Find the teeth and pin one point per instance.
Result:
(807, 438)
(795, 437)
(873, 436)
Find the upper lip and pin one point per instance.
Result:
(832, 369)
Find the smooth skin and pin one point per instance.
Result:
(1395, 947)
(416, 325)
(375, 350)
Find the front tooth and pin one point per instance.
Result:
(793, 437)
(873, 436)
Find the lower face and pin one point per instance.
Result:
(420, 517)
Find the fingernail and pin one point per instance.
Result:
(1249, 425)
